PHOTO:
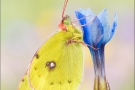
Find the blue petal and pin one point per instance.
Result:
(86, 32)
(93, 32)
(112, 30)
(104, 19)
(82, 11)
(96, 33)
(88, 14)
(82, 21)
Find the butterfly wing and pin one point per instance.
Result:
(57, 65)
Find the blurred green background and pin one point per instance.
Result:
(25, 24)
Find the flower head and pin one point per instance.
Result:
(98, 32)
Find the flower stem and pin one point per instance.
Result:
(100, 82)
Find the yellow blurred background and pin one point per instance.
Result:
(25, 24)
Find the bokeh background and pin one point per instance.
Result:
(25, 24)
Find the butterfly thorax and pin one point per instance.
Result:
(67, 26)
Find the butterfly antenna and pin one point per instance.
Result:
(64, 7)
(80, 19)
(86, 23)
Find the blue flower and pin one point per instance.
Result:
(97, 32)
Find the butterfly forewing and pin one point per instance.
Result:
(57, 65)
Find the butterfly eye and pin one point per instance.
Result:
(66, 22)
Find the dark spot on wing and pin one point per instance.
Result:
(59, 82)
(51, 83)
(50, 65)
(69, 81)
(35, 68)
(37, 56)
(23, 80)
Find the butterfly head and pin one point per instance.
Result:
(66, 21)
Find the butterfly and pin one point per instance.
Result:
(58, 63)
